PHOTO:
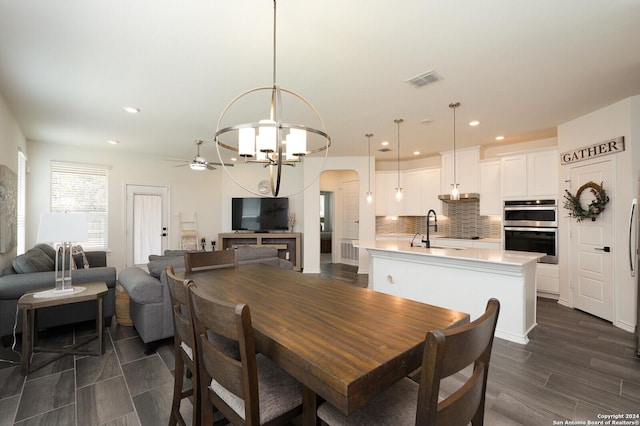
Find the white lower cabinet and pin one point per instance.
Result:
(548, 280)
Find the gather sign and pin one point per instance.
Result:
(607, 147)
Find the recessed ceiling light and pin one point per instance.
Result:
(474, 123)
(426, 120)
(131, 110)
(499, 138)
(234, 159)
(385, 143)
(113, 142)
(416, 152)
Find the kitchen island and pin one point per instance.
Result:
(459, 278)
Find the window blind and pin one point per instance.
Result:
(83, 188)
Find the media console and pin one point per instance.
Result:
(289, 244)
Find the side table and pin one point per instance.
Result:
(29, 305)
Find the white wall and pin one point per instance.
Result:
(206, 193)
(11, 142)
(367, 228)
(619, 119)
(190, 191)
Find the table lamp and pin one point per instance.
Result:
(62, 229)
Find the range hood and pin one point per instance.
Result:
(464, 198)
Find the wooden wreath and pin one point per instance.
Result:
(595, 207)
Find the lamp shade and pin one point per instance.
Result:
(63, 227)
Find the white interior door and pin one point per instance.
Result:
(348, 211)
(147, 216)
(590, 255)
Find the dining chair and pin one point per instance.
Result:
(445, 352)
(203, 260)
(184, 348)
(250, 391)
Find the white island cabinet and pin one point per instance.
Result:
(459, 279)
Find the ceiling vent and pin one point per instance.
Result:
(426, 78)
(384, 149)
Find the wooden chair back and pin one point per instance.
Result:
(240, 377)
(447, 352)
(183, 334)
(203, 260)
(180, 305)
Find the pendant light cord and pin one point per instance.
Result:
(368, 135)
(398, 121)
(455, 177)
(274, 42)
(398, 154)
(454, 105)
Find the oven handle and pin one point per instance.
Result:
(516, 228)
(520, 208)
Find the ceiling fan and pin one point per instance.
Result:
(199, 162)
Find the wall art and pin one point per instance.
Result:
(8, 209)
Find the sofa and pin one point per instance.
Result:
(150, 303)
(35, 269)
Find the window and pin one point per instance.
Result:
(83, 188)
(22, 176)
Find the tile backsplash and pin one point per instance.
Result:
(458, 220)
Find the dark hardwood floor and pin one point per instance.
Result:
(576, 367)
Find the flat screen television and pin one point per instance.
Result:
(260, 214)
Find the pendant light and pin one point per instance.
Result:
(398, 188)
(270, 141)
(455, 187)
(369, 193)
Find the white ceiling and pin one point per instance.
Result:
(520, 67)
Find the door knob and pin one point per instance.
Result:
(606, 249)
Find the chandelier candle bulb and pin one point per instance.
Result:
(267, 140)
(296, 144)
(246, 142)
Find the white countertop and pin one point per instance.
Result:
(505, 257)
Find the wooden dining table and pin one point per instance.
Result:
(345, 344)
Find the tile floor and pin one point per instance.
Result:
(124, 387)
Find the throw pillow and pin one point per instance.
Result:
(34, 260)
(156, 267)
(79, 251)
(47, 249)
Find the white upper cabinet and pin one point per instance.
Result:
(466, 170)
(490, 193)
(412, 194)
(420, 189)
(530, 175)
(421, 192)
(430, 191)
(514, 176)
(543, 169)
(385, 194)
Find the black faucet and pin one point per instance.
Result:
(427, 243)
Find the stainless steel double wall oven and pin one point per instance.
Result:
(532, 225)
